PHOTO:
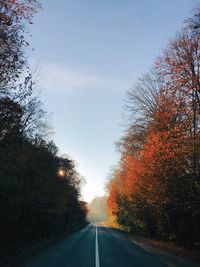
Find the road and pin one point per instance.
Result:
(95, 246)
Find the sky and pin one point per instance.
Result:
(89, 53)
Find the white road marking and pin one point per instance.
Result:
(96, 250)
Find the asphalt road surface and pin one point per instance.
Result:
(95, 246)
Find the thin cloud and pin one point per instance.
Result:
(59, 77)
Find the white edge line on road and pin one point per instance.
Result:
(96, 250)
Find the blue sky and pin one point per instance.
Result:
(89, 54)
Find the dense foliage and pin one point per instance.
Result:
(36, 202)
(156, 187)
(39, 190)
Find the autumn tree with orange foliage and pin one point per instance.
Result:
(156, 189)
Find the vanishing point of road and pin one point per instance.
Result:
(95, 246)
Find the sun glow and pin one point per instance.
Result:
(61, 173)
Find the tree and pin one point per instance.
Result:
(156, 188)
(35, 201)
(12, 39)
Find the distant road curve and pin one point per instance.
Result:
(95, 246)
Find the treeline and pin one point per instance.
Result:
(97, 210)
(39, 190)
(155, 189)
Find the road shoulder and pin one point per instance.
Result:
(165, 253)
